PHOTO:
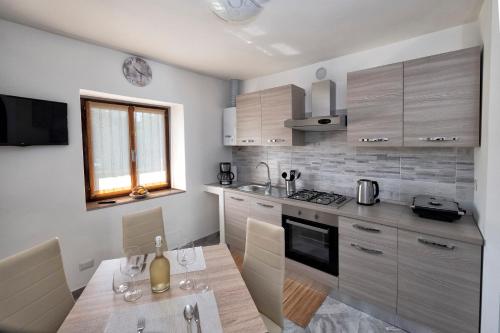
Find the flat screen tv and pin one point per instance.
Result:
(30, 122)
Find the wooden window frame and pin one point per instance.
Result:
(87, 149)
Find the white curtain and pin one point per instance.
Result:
(150, 144)
(110, 147)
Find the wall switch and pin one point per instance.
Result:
(86, 264)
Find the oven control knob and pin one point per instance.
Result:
(316, 216)
(300, 212)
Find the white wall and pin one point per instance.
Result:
(487, 160)
(438, 42)
(42, 188)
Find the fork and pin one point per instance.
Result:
(141, 324)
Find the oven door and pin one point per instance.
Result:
(311, 243)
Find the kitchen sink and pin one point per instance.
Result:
(277, 192)
(252, 188)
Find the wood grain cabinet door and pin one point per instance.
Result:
(439, 282)
(248, 119)
(441, 100)
(375, 106)
(368, 262)
(279, 104)
(236, 212)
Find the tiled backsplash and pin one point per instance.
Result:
(327, 163)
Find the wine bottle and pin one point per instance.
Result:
(159, 270)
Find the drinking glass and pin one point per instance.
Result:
(186, 255)
(201, 281)
(120, 282)
(131, 266)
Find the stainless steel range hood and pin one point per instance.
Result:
(323, 117)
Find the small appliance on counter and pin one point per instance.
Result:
(225, 175)
(367, 192)
(437, 208)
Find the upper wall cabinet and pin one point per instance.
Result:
(441, 100)
(427, 102)
(375, 106)
(260, 117)
(248, 120)
(279, 104)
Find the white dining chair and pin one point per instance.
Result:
(140, 229)
(34, 293)
(264, 270)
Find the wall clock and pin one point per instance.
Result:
(137, 71)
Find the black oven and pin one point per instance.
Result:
(311, 238)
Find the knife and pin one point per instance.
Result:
(144, 263)
(197, 317)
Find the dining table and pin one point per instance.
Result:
(237, 310)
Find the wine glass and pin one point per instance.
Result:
(120, 282)
(186, 255)
(131, 266)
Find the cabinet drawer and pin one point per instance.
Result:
(372, 233)
(266, 211)
(439, 282)
(368, 262)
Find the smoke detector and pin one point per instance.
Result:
(236, 11)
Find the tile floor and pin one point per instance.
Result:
(336, 317)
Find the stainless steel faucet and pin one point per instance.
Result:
(268, 183)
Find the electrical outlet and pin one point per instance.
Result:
(86, 264)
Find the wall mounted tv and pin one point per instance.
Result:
(30, 122)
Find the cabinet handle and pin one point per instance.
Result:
(439, 138)
(265, 205)
(367, 229)
(373, 139)
(435, 244)
(244, 141)
(367, 250)
(237, 199)
(276, 140)
(228, 136)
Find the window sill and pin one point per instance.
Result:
(93, 205)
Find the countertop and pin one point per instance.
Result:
(390, 214)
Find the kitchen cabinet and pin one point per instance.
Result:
(266, 211)
(277, 105)
(260, 117)
(237, 208)
(236, 212)
(248, 119)
(439, 282)
(375, 106)
(368, 262)
(441, 100)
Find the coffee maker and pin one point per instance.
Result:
(225, 175)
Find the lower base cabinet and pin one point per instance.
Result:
(237, 208)
(439, 282)
(368, 262)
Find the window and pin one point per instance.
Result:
(125, 146)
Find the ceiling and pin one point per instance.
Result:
(287, 34)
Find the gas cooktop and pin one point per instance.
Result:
(322, 198)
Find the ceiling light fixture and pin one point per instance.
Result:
(236, 11)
